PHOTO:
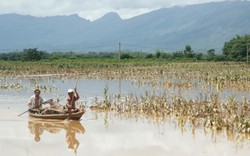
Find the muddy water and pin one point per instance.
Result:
(110, 134)
(103, 133)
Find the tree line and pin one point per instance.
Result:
(233, 50)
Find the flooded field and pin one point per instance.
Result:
(107, 134)
(136, 114)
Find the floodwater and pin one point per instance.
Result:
(102, 133)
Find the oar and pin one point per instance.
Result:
(76, 83)
(34, 107)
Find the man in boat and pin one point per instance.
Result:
(36, 101)
(72, 97)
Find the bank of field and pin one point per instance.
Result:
(146, 68)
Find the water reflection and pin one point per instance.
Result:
(38, 127)
(184, 124)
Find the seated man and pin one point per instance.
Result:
(36, 101)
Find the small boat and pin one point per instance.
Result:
(55, 114)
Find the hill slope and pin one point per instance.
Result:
(202, 26)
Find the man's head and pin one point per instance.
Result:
(70, 91)
(37, 91)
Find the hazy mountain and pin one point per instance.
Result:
(202, 26)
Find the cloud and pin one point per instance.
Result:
(89, 9)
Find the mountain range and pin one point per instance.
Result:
(202, 26)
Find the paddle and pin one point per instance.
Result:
(34, 107)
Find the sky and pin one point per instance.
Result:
(90, 9)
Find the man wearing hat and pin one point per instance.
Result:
(72, 97)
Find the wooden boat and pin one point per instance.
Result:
(57, 115)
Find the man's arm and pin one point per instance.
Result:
(76, 95)
(30, 102)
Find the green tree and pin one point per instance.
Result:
(148, 56)
(178, 54)
(11, 56)
(237, 47)
(158, 54)
(199, 56)
(33, 54)
(211, 54)
(126, 56)
(188, 48)
(188, 51)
